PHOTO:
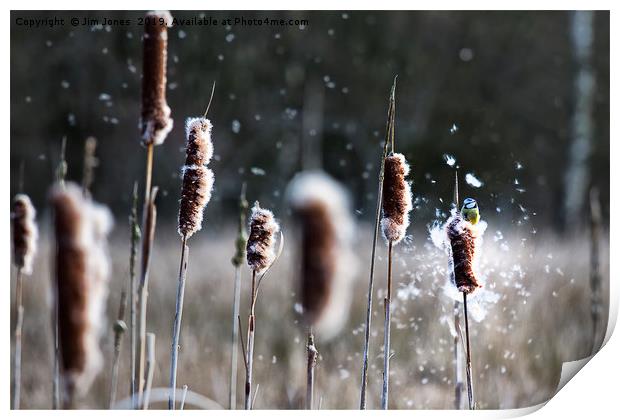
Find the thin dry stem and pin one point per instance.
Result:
(387, 141)
(386, 337)
(150, 368)
(133, 256)
(470, 384)
(183, 397)
(149, 221)
(176, 331)
(311, 364)
(250, 351)
(457, 356)
(119, 329)
(17, 358)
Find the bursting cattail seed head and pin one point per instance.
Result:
(197, 179)
(261, 241)
(396, 202)
(82, 270)
(25, 232)
(199, 149)
(463, 242)
(155, 121)
(328, 265)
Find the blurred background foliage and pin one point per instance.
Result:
(494, 89)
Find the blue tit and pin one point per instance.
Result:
(470, 211)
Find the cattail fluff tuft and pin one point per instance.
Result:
(463, 243)
(197, 179)
(261, 241)
(25, 232)
(82, 271)
(155, 122)
(396, 198)
(328, 265)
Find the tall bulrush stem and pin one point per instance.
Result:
(386, 336)
(312, 356)
(250, 351)
(119, 329)
(133, 256)
(237, 260)
(150, 219)
(150, 368)
(386, 144)
(261, 254)
(17, 358)
(155, 124)
(24, 236)
(470, 383)
(457, 356)
(195, 194)
(176, 332)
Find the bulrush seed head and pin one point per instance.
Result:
(195, 194)
(197, 179)
(396, 198)
(462, 237)
(199, 149)
(82, 270)
(261, 242)
(25, 232)
(321, 207)
(155, 122)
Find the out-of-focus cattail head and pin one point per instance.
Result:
(25, 232)
(197, 179)
(396, 198)
(463, 243)
(321, 208)
(199, 149)
(155, 122)
(261, 241)
(82, 269)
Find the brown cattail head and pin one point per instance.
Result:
(328, 265)
(261, 241)
(82, 269)
(155, 122)
(25, 232)
(462, 236)
(197, 179)
(396, 198)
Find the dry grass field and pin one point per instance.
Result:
(541, 318)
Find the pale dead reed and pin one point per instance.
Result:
(261, 254)
(321, 207)
(195, 194)
(25, 236)
(82, 269)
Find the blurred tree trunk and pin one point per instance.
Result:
(577, 176)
